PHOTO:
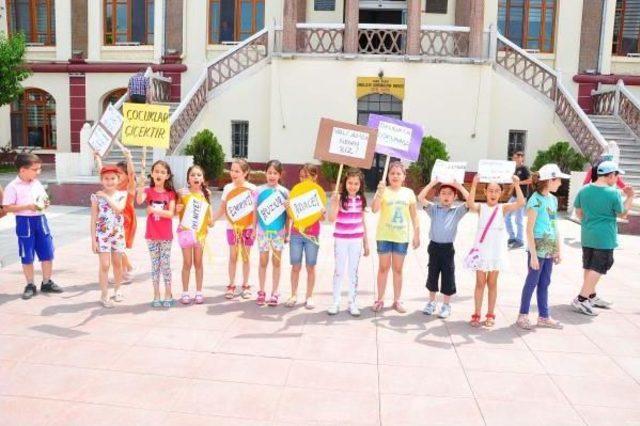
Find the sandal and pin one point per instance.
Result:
(377, 306)
(261, 298)
(524, 323)
(199, 299)
(185, 299)
(231, 291)
(475, 320)
(107, 303)
(291, 302)
(549, 323)
(399, 307)
(246, 291)
(490, 320)
(274, 299)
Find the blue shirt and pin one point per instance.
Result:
(444, 221)
(545, 231)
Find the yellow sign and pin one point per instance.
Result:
(384, 86)
(146, 125)
(306, 202)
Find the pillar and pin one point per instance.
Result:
(77, 108)
(413, 27)
(351, 20)
(289, 21)
(476, 23)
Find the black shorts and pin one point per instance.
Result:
(441, 266)
(599, 260)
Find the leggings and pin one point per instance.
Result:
(538, 280)
(160, 251)
(347, 254)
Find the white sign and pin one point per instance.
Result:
(394, 136)
(100, 141)
(194, 215)
(112, 120)
(499, 171)
(272, 207)
(448, 171)
(240, 206)
(348, 142)
(306, 205)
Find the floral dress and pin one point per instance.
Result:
(109, 225)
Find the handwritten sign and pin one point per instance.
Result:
(397, 138)
(195, 214)
(146, 125)
(306, 201)
(272, 207)
(240, 206)
(345, 143)
(448, 171)
(499, 171)
(306, 205)
(105, 131)
(112, 120)
(100, 141)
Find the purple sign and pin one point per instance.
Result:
(397, 138)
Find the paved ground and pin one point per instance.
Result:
(65, 360)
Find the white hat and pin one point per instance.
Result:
(551, 171)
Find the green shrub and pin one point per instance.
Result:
(329, 171)
(207, 153)
(560, 153)
(430, 150)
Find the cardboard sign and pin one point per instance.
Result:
(448, 171)
(397, 138)
(240, 207)
(146, 125)
(195, 213)
(499, 171)
(272, 207)
(306, 201)
(112, 120)
(106, 131)
(100, 141)
(345, 143)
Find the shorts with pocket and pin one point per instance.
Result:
(34, 238)
(387, 247)
(598, 260)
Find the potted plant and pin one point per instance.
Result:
(419, 173)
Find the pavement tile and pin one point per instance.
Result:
(614, 392)
(523, 413)
(421, 410)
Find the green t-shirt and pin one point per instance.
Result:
(600, 206)
(544, 230)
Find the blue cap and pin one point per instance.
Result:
(607, 167)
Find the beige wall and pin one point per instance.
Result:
(332, 17)
(448, 18)
(98, 85)
(5, 125)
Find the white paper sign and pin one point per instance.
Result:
(348, 142)
(240, 206)
(112, 120)
(394, 136)
(499, 171)
(195, 213)
(448, 171)
(272, 207)
(100, 141)
(306, 205)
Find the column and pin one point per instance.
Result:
(413, 27)
(77, 108)
(63, 29)
(158, 30)
(289, 21)
(95, 33)
(476, 22)
(351, 20)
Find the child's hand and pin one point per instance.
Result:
(286, 204)
(94, 246)
(32, 207)
(96, 156)
(335, 198)
(557, 258)
(141, 182)
(628, 191)
(287, 238)
(151, 210)
(515, 179)
(366, 250)
(126, 152)
(476, 179)
(416, 241)
(101, 194)
(381, 187)
(534, 263)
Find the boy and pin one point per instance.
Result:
(444, 225)
(26, 198)
(598, 205)
(516, 238)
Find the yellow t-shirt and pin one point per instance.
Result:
(395, 220)
(203, 213)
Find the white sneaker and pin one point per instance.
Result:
(309, 304)
(430, 307)
(333, 309)
(354, 310)
(118, 297)
(107, 303)
(445, 311)
(583, 307)
(598, 302)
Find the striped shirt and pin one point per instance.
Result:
(350, 220)
(138, 84)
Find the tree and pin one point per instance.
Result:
(431, 150)
(207, 153)
(12, 67)
(560, 153)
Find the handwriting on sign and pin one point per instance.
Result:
(306, 205)
(348, 142)
(272, 207)
(394, 136)
(240, 206)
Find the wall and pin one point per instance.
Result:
(5, 125)
(448, 18)
(333, 17)
(97, 86)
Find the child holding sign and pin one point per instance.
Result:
(271, 221)
(161, 204)
(194, 211)
(398, 214)
(491, 244)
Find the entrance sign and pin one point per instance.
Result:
(240, 207)
(345, 143)
(383, 86)
(448, 171)
(306, 201)
(397, 138)
(498, 171)
(146, 125)
(105, 132)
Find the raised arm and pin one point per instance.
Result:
(460, 187)
(422, 196)
(141, 195)
(116, 205)
(471, 198)
(520, 200)
(629, 192)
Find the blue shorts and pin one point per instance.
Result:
(34, 238)
(386, 247)
(300, 244)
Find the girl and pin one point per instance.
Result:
(544, 245)
(493, 247)
(397, 207)
(194, 211)
(239, 242)
(161, 203)
(107, 231)
(347, 211)
(271, 234)
(307, 243)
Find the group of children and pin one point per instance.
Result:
(113, 228)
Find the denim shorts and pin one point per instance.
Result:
(386, 247)
(299, 245)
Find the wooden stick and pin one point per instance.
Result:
(339, 178)
(386, 169)
(144, 162)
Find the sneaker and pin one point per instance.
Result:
(50, 287)
(157, 303)
(430, 307)
(169, 303)
(583, 307)
(517, 244)
(511, 241)
(445, 311)
(523, 322)
(309, 304)
(598, 302)
(333, 309)
(354, 310)
(549, 323)
(30, 290)
(107, 303)
(118, 297)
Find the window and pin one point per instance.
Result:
(113, 97)
(33, 120)
(324, 5)
(239, 139)
(436, 6)
(528, 23)
(517, 142)
(128, 22)
(35, 19)
(234, 20)
(626, 28)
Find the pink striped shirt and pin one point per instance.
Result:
(350, 220)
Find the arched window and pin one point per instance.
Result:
(128, 22)
(528, 23)
(35, 19)
(33, 120)
(113, 97)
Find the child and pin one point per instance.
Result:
(3, 213)
(107, 231)
(491, 241)
(240, 242)
(194, 211)
(397, 207)
(350, 234)
(598, 205)
(272, 235)
(26, 198)
(543, 239)
(444, 225)
(307, 243)
(161, 203)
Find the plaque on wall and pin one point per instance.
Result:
(324, 5)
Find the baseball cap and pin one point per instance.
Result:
(551, 171)
(607, 167)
